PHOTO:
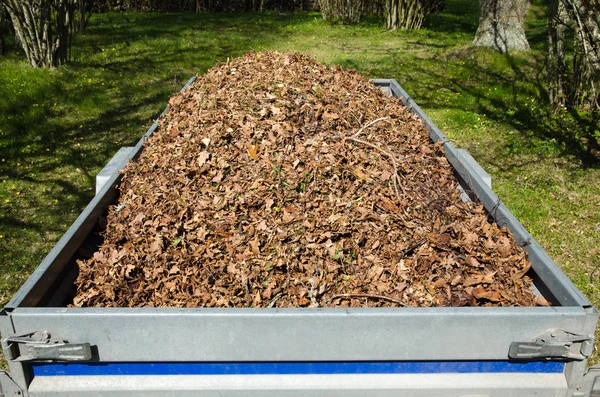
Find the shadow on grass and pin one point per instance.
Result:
(37, 131)
(458, 16)
(573, 133)
(124, 70)
(519, 99)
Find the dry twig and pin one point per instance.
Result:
(275, 299)
(385, 298)
(395, 177)
(413, 247)
(370, 123)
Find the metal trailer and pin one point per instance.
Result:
(53, 350)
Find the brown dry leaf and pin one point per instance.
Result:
(232, 268)
(138, 218)
(387, 204)
(457, 280)
(98, 256)
(257, 299)
(481, 293)
(253, 151)
(473, 262)
(157, 245)
(470, 238)
(359, 174)
(541, 301)
(170, 285)
(128, 270)
(330, 116)
(255, 245)
(203, 158)
(519, 274)
(479, 279)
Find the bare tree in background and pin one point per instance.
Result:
(3, 29)
(43, 27)
(344, 11)
(258, 5)
(203, 5)
(501, 25)
(85, 8)
(409, 14)
(574, 77)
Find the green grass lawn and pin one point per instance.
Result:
(59, 127)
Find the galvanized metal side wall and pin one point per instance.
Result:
(362, 334)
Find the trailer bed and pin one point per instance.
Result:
(440, 351)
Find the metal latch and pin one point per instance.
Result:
(553, 345)
(41, 346)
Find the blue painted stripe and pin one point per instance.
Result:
(294, 368)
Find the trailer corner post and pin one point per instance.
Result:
(114, 166)
(16, 382)
(576, 371)
(8, 387)
(589, 385)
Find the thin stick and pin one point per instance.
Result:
(275, 299)
(312, 294)
(370, 123)
(414, 247)
(396, 177)
(385, 298)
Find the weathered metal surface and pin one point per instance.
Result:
(355, 385)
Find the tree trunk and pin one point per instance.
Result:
(556, 54)
(501, 25)
(3, 29)
(408, 14)
(85, 8)
(43, 27)
(403, 14)
(584, 16)
(575, 85)
(257, 5)
(343, 11)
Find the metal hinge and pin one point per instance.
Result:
(41, 346)
(8, 387)
(555, 344)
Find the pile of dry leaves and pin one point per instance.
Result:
(275, 181)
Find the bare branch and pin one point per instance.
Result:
(385, 298)
(364, 127)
